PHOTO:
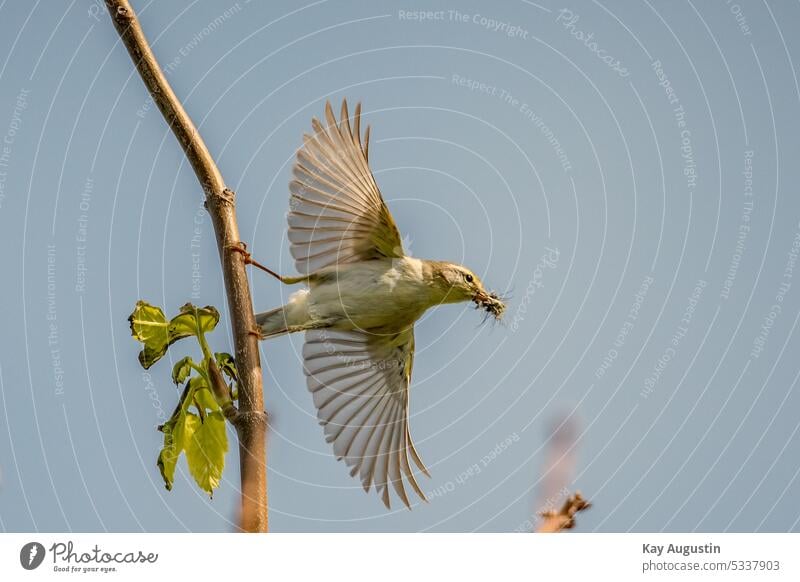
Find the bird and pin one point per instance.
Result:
(363, 294)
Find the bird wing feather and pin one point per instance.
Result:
(337, 214)
(360, 385)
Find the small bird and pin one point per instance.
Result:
(363, 296)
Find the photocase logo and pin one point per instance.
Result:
(31, 555)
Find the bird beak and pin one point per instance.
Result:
(480, 297)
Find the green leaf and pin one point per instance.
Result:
(177, 433)
(206, 446)
(227, 365)
(181, 370)
(194, 320)
(201, 395)
(168, 457)
(149, 326)
(205, 399)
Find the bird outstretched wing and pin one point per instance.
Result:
(336, 212)
(359, 381)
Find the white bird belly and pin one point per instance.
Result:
(370, 294)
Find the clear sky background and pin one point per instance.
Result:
(626, 170)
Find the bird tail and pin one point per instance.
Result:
(272, 323)
(294, 316)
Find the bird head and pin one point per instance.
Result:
(457, 283)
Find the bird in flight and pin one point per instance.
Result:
(362, 297)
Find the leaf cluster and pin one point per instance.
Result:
(197, 426)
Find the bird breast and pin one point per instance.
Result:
(370, 294)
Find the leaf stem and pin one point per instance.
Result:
(202, 371)
(201, 337)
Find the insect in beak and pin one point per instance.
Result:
(491, 303)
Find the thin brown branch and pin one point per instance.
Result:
(220, 201)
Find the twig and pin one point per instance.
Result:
(564, 518)
(250, 422)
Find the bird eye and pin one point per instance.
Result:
(469, 278)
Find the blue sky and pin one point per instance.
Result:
(626, 172)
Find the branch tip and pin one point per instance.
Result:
(564, 518)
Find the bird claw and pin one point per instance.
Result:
(240, 247)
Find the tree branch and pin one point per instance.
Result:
(220, 201)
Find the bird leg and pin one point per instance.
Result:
(241, 248)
